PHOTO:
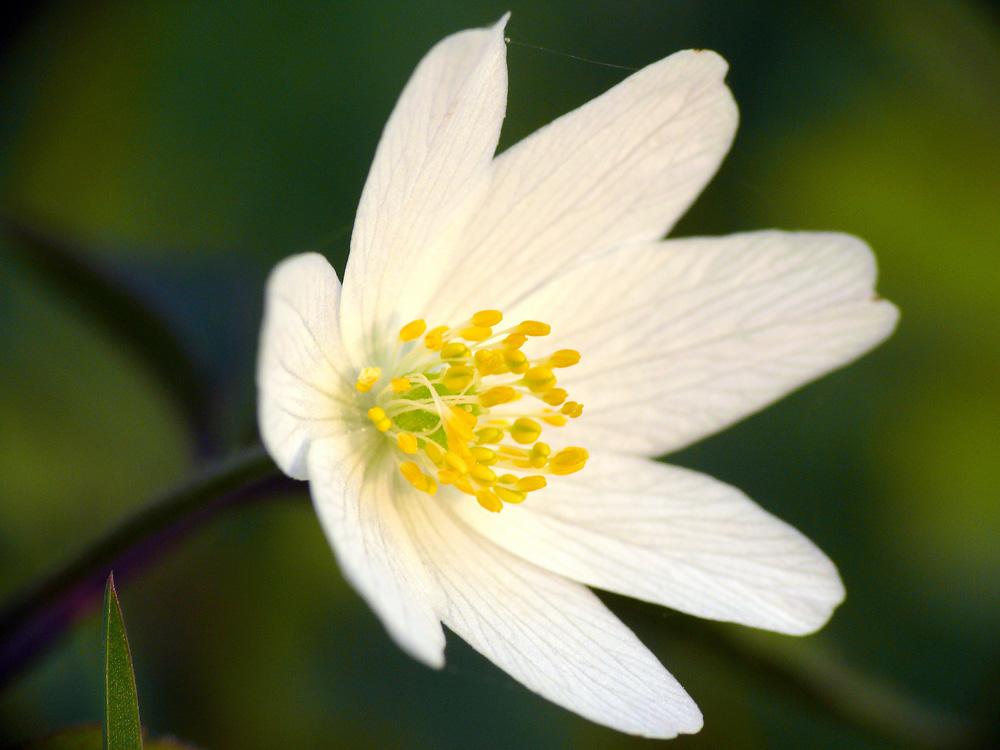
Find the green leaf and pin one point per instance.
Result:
(122, 730)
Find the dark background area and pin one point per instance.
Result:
(186, 147)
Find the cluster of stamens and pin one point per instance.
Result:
(441, 411)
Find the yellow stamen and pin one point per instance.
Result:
(486, 318)
(367, 379)
(458, 377)
(500, 394)
(434, 339)
(539, 379)
(412, 330)
(525, 430)
(482, 475)
(531, 483)
(534, 328)
(407, 442)
(455, 350)
(400, 385)
(508, 495)
(554, 396)
(489, 501)
(476, 333)
(564, 358)
(377, 415)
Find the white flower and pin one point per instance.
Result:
(403, 439)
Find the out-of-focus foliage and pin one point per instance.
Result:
(191, 145)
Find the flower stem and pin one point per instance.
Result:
(33, 622)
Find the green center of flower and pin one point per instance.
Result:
(469, 403)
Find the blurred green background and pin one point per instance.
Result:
(186, 147)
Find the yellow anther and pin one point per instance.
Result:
(488, 361)
(489, 500)
(455, 350)
(570, 456)
(462, 425)
(487, 318)
(534, 328)
(514, 341)
(568, 461)
(464, 485)
(556, 420)
(377, 415)
(542, 449)
(511, 451)
(454, 462)
(368, 378)
(509, 495)
(564, 358)
(516, 361)
(434, 339)
(434, 453)
(417, 478)
(499, 394)
(539, 379)
(532, 483)
(554, 396)
(507, 479)
(572, 409)
(482, 475)
(458, 377)
(483, 456)
(400, 385)
(407, 443)
(525, 430)
(489, 435)
(476, 333)
(412, 330)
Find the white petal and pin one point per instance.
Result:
(673, 537)
(354, 489)
(622, 168)
(301, 365)
(433, 157)
(682, 338)
(553, 635)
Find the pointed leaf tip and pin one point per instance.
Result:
(122, 730)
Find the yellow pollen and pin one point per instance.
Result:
(539, 379)
(514, 341)
(377, 415)
(489, 435)
(516, 361)
(477, 333)
(460, 414)
(531, 483)
(400, 385)
(417, 478)
(486, 318)
(483, 456)
(434, 339)
(500, 394)
(455, 350)
(412, 330)
(525, 430)
(534, 328)
(367, 379)
(482, 475)
(458, 377)
(489, 501)
(555, 396)
(564, 358)
(508, 495)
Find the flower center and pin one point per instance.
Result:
(467, 403)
